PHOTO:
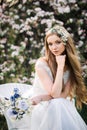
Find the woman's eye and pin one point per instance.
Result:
(58, 42)
(49, 44)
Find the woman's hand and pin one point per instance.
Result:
(35, 100)
(61, 61)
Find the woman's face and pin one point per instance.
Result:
(55, 45)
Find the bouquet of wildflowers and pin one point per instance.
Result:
(16, 106)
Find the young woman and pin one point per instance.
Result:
(58, 81)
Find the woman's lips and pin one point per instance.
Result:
(55, 51)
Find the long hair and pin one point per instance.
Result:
(78, 88)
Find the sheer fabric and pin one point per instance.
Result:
(56, 114)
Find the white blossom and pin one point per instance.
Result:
(12, 75)
(3, 40)
(21, 59)
(14, 53)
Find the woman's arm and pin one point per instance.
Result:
(58, 83)
(45, 97)
(37, 99)
(53, 89)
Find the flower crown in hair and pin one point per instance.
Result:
(61, 31)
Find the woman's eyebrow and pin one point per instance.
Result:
(58, 41)
(54, 41)
(49, 42)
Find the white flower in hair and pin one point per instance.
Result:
(61, 31)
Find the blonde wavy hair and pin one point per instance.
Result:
(78, 88)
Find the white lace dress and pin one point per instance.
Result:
(56, 114)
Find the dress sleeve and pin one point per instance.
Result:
(44, 65)
(41, 64)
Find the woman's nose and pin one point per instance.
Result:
(54, 46)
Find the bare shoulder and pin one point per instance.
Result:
(40, 62)
(42, 59)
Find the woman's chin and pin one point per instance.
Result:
(56, 54)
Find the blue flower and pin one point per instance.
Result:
(16, 95)
(16, 90)
(12, 98)
(14, 112)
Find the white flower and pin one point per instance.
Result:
(3, 40)
(11, 114)
(37, 9)
(23, 105)
(63, 34)
(9, 0)
(14, 53)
